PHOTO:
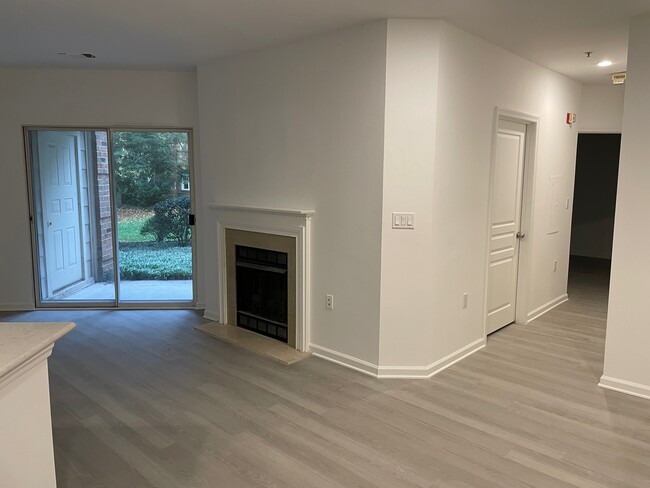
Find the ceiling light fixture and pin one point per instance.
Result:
(605, 63)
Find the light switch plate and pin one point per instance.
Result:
(403, 220)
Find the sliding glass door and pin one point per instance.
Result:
(152, 195)
(111, 214)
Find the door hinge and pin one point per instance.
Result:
(192, 219)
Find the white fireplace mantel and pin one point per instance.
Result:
(289, 212)
(294, 223)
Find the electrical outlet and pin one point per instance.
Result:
(329, 302)
(465, 299)
(555, 266)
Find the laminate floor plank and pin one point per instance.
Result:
(140, 399)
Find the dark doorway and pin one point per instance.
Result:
(594, 201)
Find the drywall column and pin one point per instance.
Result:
(406, 334)
(627, 358)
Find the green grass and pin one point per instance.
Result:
(155, 261)
(128, 230)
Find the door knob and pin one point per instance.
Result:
(521, 235)
(49, 224)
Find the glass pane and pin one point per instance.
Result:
(72, 215)
(152, 193)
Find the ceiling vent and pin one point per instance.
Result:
(619, 78)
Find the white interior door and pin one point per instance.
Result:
(61, 215)
(505, 219)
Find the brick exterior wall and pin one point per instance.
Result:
(103, 204)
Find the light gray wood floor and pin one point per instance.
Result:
(140, 399)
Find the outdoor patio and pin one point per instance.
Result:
(137, 291)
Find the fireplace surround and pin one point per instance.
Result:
(280, 230)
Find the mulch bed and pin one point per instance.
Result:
(134, 213)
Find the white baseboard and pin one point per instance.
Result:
(623, 386)
(344, 360)
(199, 305)
(547, 307)
(416, 372)
(398, 372)
(17, 307)
(211, 315)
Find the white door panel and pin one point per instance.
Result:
(505, 221)
(62, 221)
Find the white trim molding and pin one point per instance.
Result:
(433, 369)
(212, 315)
(284, 222)
(26, 366)
(397, 372)
(286, 212)
(344, 360)
(624, 386)
(547, 307)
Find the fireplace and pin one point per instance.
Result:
(261, 283)
(285, 232)
(262, 291)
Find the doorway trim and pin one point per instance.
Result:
(527, 205)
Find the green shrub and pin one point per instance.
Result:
(170, 221)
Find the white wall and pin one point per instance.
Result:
(627, 362)
(406, 335)
(446, 255)
(384, 117)
(301, 126)
(601, 112)
(74, 98)
(601, 108)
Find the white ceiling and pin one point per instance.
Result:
(178, 34)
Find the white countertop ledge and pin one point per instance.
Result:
(24, 344)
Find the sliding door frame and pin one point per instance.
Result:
(111, 304)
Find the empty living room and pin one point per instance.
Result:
(334, 244)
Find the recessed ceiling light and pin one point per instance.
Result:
(605, 63)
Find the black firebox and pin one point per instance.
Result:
(262, 291)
